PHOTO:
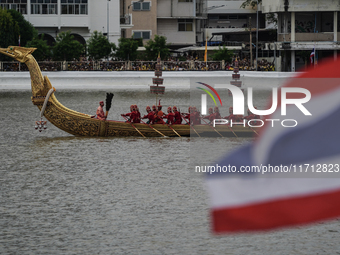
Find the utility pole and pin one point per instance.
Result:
(108, 19)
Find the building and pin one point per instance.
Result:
(180, 21)
(138, 19)
(81, 17)
(304, 26)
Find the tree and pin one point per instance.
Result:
(9, 32)
(43, 51)
(66, 47)
(127, 49)
(222, 54)
(98, 46)
(26, 30)
(271, 17)
(251, 3)
(157, 46)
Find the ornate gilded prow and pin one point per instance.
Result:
(40, 85)
(18, 53)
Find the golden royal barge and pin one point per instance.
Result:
(81, 124)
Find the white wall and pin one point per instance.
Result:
(169, 28)
(300, 5)
(96, 19)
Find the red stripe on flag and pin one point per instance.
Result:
(276, 214)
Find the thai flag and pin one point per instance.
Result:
(312, 55)
(255, 201)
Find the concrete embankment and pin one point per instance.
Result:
(142, 79)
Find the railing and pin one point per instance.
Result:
(126, 66)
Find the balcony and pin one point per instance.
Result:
(303, 37)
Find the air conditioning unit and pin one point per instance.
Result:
(286, 45)
(122, 20)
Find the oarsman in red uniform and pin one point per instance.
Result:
(170, 116)
(231, 116)
(195, 119)
(159, 108)
(154, 110)
(211, 115)
(252, 116)
(131, 115)
(160, 114)
(188, 115)
(150, 116)
(100, 112)
(178, 117)
(136, 118)
(217, 114)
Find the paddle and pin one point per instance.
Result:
(173, 129)
(133, 126)
(232, 130)
(210, 126)
(191, 127)
(108, 102)
(153, 128)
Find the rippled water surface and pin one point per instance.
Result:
(61, 194)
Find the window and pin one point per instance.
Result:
(185, 25)
(44, 6)
(138, 6)
(145, 35)
(74, 7)
(18, 5)
(184, 1)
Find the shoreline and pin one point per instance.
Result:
(143, 79)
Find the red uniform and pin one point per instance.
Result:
(196, 120)
(178, 118)
(234, 118)
(210, 117)
(170, 118)
(252, 117)
(217, 115)
(132, 116)
(187, 116)
(137, 117)
(151, 117)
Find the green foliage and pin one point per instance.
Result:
(127, 49)
(98, 46)
(223, 54)
(9, 32)
(43, 51)
(157, 46)
(66, 47)
(26, 29)
(251, 3)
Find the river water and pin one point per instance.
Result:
(61, 194)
